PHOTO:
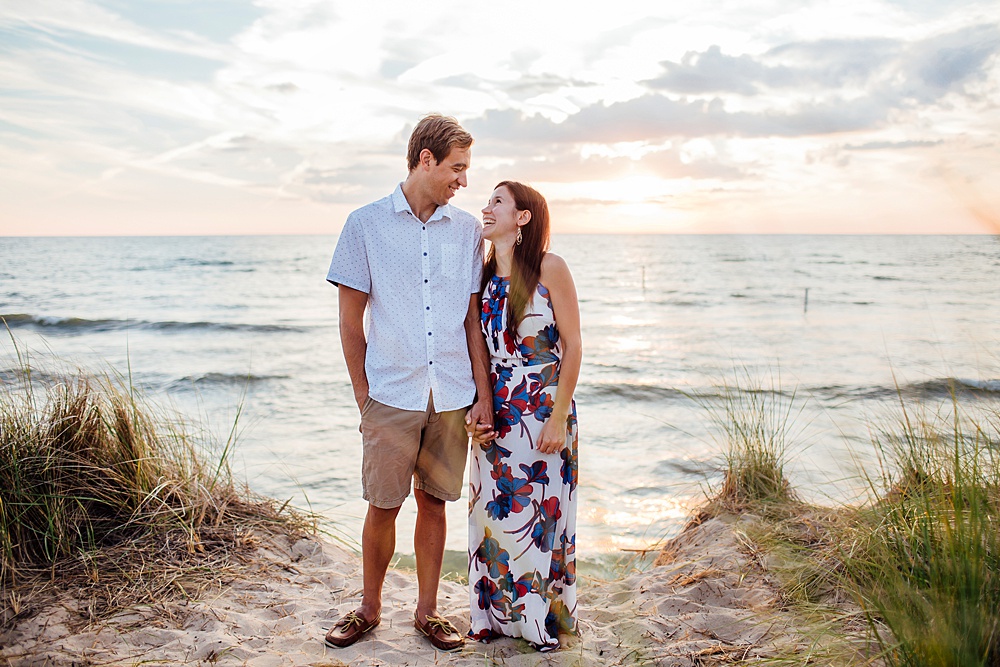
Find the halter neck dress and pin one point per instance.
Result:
(522, 503)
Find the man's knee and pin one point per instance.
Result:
(428, 504)
(382, 515)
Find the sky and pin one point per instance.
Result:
(175, 117)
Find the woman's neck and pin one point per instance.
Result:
(505, 259)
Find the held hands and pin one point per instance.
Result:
(479, 422)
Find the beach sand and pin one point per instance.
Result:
(708, 600)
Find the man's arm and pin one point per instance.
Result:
(481, 414)
(352, 339)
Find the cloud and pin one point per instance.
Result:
(314, 100)
(891, 145)
(893, 70)
(713, 72)
(656, 117)
(947, 63)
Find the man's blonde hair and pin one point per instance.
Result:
(438, 134)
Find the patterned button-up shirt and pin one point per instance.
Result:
(419, 277)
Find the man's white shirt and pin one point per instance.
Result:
(419, 277)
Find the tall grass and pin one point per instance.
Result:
(753, 418)
(928, 570)
(96, 482)
(921, 558)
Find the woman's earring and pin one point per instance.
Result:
(518, 239)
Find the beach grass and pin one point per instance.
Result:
(100, 489)
(909, 578)
(927, 562)
(754, 419)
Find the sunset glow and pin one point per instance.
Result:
(234, 117)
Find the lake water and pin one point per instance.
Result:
(841, 322)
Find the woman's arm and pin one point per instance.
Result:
(479, 420)
(558, 280)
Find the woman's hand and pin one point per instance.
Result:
(483, 433)
(479, 422)
(552, 439)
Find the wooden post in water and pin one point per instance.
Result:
(643, 278)
(805, 302)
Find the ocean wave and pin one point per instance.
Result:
(225, 379)
(191, 261)
(632, 392)
(68, 323)
(686, 467)
(980, 385)
(17, 376)
(220, 326)
(79, 324)
(936, 388)
(652, 393)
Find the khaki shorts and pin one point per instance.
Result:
(431, 447)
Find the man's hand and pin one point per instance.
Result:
(360, 396)
(479, 422)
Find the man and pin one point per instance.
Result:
(415, 262)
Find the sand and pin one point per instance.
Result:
(707, 601)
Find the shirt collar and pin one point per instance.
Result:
(400, 205)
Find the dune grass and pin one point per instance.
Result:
(911, 578)
(754, 419)
(100, 489)
(928, 564)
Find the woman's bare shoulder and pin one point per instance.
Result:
(553, 264)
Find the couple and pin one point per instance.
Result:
(455, 349)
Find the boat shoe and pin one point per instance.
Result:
(441, 633)
(349, 628)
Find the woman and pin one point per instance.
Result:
(522, 481)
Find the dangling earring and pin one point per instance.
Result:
(518, 239)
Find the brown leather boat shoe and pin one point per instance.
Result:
(441, 633)
(349, 629)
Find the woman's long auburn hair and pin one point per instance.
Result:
(527, 262)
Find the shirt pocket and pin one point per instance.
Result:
(450, 264)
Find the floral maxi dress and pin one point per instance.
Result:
(522, 503)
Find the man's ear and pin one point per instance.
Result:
(427, 158)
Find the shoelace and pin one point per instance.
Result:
(352, 619)
(440, 623)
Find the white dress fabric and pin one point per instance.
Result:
(522, 503)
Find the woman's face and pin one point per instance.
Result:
(501, 217)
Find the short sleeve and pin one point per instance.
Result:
(478, 256)
(350, 260)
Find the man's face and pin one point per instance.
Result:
(448, 175)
